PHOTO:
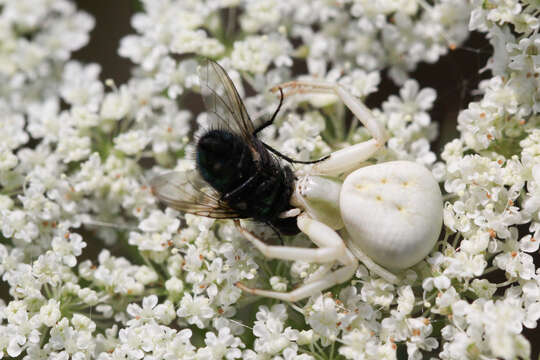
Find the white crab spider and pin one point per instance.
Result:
(390, 214)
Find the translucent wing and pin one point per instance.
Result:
(222, 101)
(187, 191)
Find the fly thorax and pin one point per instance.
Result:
(223, 159)
(319, 197)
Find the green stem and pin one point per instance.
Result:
(314, 352)
(456, 239)
(444, 243)
(13, 192)
(231, 15)
(311, 352)
(447, 197)
(352, 129)
(319, 349)
(332, 350)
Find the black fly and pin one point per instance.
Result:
(236, 174)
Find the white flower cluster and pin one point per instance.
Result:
(95, 269)
(491, 175)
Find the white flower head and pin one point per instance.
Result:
(131, 142)
(50, 313)
(195, 309)
(323, 317)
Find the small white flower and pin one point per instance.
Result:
(196, 310)
(306, 337)
(278, 283)
(144, 314)
(514, 262)
(378, 292)
(170, 132)
(261, 14)
(50, 312)
(444, 304)
(160, 222)
(68, 247)
(175, 287)
(83, 117)
(81, 85)
(7, 159)
(405, 300)
(440, 282)
(255, 53)
(146, 275)
(117, 104)
(224, 345)
(323, 318)
(361, 83)
(503, 324)
(187, 41)
(131, 142)
(17, 224)
(72, 146)
(419, 340)
(483, 288)
(272, 338)
(12, 127)
(529, 244)
(463, 265)
(413, 103)
(180, 344)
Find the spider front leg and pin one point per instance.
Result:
(331, 249)
(350, 158)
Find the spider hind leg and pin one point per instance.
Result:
(331, 249)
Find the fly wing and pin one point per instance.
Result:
(224, 105)
(188, 192)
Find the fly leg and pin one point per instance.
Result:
(350, 158)
(232, 194)
(286, 158)
(270, 122)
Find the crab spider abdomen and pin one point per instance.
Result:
(393, 212)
